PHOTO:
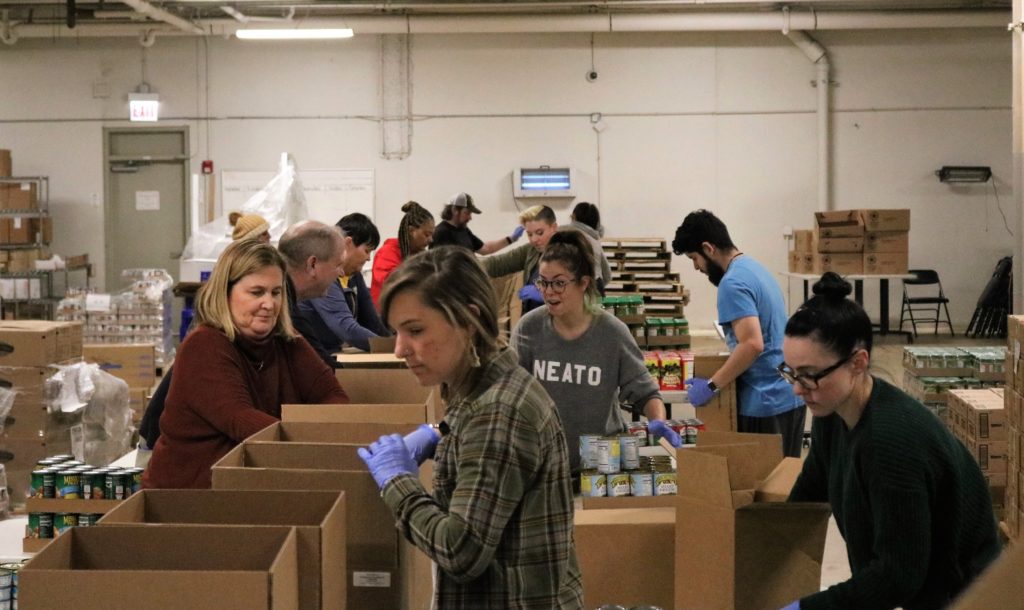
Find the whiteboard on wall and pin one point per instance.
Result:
(330, 193)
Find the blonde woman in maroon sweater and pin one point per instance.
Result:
(237, 367)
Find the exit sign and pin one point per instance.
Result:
(144, 107)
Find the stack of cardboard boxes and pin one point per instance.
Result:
(23, 195)
(30, 433)
(929, 373)
(977, 418)
(849, 242)
(1013, 516)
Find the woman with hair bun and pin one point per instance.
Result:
(910, 501)
(584, 358)
(415, 232)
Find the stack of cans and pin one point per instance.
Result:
(613, 467)
(63, 477)
(9, 585)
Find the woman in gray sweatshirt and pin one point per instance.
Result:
(586, 359)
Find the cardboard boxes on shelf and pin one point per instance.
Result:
(170, 567)
(5, 163)
(851, 242)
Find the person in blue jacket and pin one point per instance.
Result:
(346, 315)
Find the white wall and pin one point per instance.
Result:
(724, 121)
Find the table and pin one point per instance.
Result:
(858, 293)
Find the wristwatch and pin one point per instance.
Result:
(711, 386)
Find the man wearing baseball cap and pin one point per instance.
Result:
(453, 229)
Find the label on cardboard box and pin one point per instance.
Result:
(371, 579)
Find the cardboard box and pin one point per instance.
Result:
(382, 345)
(836, 231)
(842, 263)
(803, 240)
(826, 245)
(383, 571)
(887, 241)
(5, 163)
(135, 364)
(166, 567)
(731, 550)
(998, 586)
(382, 386)
(885, 263)
(363, 360)
(330, 432)
(720, 414)
(986, 422)
(886, 220)
(839, 218)
(21, 196)
(39, 342)
(801, 262)
(626, 556)
(991, 455)
(318, 518)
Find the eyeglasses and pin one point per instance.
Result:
(809, 381)
(556, 286)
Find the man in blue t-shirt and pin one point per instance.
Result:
(753, 314)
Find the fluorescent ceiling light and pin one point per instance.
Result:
(294, 34)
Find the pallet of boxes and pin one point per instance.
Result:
(853, 242)
(930, 373)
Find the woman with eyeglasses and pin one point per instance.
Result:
(909, 500)
(584, 358)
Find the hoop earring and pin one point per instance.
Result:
(474, 357)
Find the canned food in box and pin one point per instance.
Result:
(62, 522)
(588, 451)
(608, 455)
(641, 483)
(68, 485)
(665, 483)
(629, 452)
(40, 525)
(593, 484)
(639, 430)
(618, 485)
(88, 519)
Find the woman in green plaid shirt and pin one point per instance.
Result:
(499, 521)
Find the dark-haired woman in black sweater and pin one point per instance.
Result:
(909, 500)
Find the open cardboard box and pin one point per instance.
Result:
(626, 556)
(396, 389)
(998, 586)
(318, 518)
(383, 570)
(720, 413)
(735, 546)
(119, 568)
(360, 433)
(363, 360)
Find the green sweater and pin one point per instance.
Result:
(909, 500)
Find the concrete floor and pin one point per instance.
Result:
(887, 363)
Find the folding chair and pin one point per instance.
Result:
(924, 301)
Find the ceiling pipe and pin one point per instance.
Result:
(819, 57)
(159, 14)
(596, 23)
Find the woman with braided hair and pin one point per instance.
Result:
(414, 235)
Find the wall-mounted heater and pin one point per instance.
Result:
(544, 181)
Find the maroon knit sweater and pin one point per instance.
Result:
(222, 392)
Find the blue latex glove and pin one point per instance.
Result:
(660, 429)
(516, 234)
(421, 443)
(387, 458)
(698, 392)
(794, 606)
(530, 293)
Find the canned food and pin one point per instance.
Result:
(35, 485)
(114, 485)
(588, 452)
(608, 455)
(45, 463)
(63, 521)
(618, 485)
(639, 430)
(72, 463)
(40, 525)
(690, 437)
(641, 483)
(135, 479)
(665, 484)
(6, 577)
(64, 457)
(593, 484)
(68, 485)
(88, 519)
(629, 452)
(5, 597)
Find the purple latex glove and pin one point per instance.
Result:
(422, 442)
(660, 429)
(530, 293)
(794, 606)
(698, 392)
(516, 234)
(388, 458)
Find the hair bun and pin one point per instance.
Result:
(833, 287)
(410, 206)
